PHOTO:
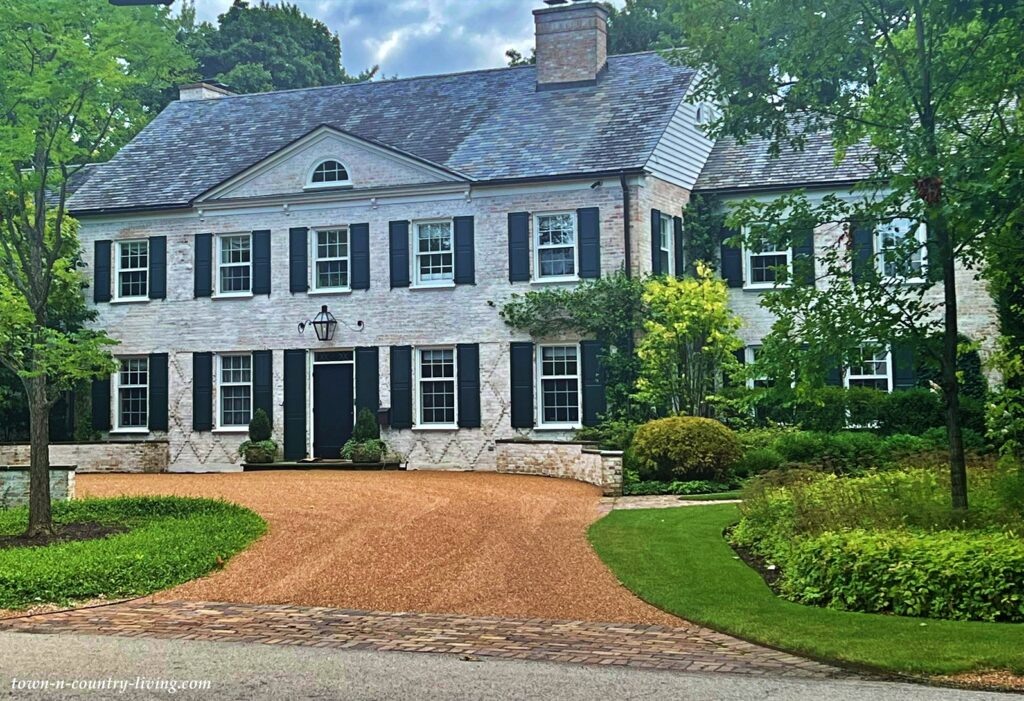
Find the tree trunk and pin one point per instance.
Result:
(40, 518)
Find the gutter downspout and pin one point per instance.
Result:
(626, 233)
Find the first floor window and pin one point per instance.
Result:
(555, 242)
(871, 368)
(132, 269)
(133, 393)
(234, 264)
(331, 260)
(666, 245)
(436, 386)
(434, 260)
(901, 249)
(559, 385)
(752, 354)
(234, 388)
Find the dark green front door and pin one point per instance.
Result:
(332, 409)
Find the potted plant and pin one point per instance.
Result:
(260, 448)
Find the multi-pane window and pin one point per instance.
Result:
(329, 172)
(330, 259)
(132, 269)
(556, 245)
(871, 369)
(666, 245)
(434, 261)
(752, 353)
(234, 389)
(436, 386)
(132, 390)
(559, 385)
(901, 249)
(764, 264)
(234, 264)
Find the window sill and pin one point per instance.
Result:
(558, 427)
(129, 431)
(438, 427)
(555, 280)
(329, 291)
(234, 295)
(227, 430)
(450, 285)
(130, 300)
(762, 287)
(340, 185)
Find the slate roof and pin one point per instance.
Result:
(735, 166)
(489, 125)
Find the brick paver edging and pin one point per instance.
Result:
(689, 648)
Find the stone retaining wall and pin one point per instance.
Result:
(134, 456)
(578, 461)
(14, 484)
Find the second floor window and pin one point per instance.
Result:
(132, 393)
(434, 262)
(555, 244)
(763, 263)
(435, 380)
(666, 245)
(234, 389)
(901, 249)
(330, 260)
(234, 264)
(132, 270)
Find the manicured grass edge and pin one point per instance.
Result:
(678, 560)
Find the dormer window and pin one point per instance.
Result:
(329, 173)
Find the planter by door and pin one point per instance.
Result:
(332, 409)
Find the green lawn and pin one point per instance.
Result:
(678, 560)
(169, 540)
(715, 496)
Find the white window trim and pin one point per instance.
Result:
(310, 185)
(414, 280)
(219, 426)
(539, 382)
(921, 234)
(749, 357)
(217, 265)
(118, 270)
(418, 424)
(314, 287)
(116, 398)
(537, 277)
(667, 225)
(748, 277)
(848, 374)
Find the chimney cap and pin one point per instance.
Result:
(556, 2)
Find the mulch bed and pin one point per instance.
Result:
(66, 533)
(758, 563)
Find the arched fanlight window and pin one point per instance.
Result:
(329, 172)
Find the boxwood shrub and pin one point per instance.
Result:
(685, 448)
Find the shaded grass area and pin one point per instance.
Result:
(169, 540)
(678, 560)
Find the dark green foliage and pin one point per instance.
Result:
(259, 452)
(758, 460)
(259, 427)
(370, 450)
(704, 219)
(367, 428)
(685, 448)
(911, 411)
(973, 383)
(655, 487)
(170, 540)
(611, 435)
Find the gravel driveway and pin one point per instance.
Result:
(447, 542)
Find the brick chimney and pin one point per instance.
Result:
(202, 91)
(572, 43)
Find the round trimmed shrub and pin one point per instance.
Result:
(685, 448)
(758, 460)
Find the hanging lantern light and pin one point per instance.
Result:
(324, 324)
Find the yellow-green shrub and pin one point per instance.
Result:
(685, 448)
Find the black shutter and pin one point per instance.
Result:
(904, 368)
(934, 269)
(158, 392)
(294, 404)
(368, 378)
(263, 383)
(518, 246)
(101, 404)
(588, 221)
(298, 259)
(465, 264)
(157, 267)
(204, 265)
(398, 241)
(469, 385)
(803, 258)
(729, 379)
(833, 373)
(521, 359)
(594, 401)
(261, 262)
(863, 249)
(101, 276)
(677, 240)
(656, 243)
(202, 391)
(401, 386)
(359, 241)
(732, 261)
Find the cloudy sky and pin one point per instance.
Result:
(417, 37)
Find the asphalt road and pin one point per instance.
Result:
(123, 668)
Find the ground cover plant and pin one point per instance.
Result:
(157, 542)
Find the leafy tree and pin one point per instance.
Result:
(256, 48)
(933, 90)
(689, 339)
(74, 78)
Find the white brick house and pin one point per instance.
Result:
(417, 207)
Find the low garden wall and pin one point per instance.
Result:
(14, 484)
(578, 461)
(99, 456)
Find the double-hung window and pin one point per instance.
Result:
(751, 354)
(433, 254)
(901, 250)
(871, 368)
(132, 270)
(555, 246)
(131, 392)
(234, 264)
(435, 386)
(763, 263)
(330, 260)
(666, 245)
(558, 370)
(234, 390)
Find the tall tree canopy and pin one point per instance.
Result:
(934, 89)
(256, 48)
